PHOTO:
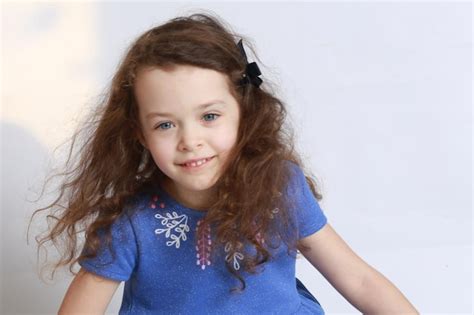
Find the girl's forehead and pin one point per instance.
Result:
(182, 75)
(189, 85)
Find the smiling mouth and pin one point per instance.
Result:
(196, 164)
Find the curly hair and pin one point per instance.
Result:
(112, 166)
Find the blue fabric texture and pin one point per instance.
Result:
(167, 272)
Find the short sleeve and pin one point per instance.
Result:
(124, 245)
(310, 218)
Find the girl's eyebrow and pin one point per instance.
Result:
(200, 107)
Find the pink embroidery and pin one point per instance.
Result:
(258, 236)
(153, 201)
(203, 247)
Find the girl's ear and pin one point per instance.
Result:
(141, 138)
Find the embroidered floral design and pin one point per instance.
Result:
(234, 257)
(203, 246)
(176, 223)
(176, 227)
(173, 223)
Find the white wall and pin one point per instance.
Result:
(379, 93)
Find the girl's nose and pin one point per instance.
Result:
(189, 140)
(189, 146)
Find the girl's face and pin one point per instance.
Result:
(185, 114)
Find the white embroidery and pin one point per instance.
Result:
(274, 211)
(175, 222)
(236, 255)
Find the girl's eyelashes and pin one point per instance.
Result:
(160, 126)
(210, 115)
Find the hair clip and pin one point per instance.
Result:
(251, 70)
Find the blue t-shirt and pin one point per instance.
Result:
(166, 273)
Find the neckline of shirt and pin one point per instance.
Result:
(173, 202)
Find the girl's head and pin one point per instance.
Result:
(187, 113)
(177, 96)
(180, 68)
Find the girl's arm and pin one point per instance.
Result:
(88, 294)
(360, 284)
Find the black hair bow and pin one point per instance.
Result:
(251, 70)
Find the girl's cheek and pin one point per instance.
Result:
(161, 150)
(226, 139)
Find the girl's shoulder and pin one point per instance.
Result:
(294, 168)
(137, 201)
(295, 174)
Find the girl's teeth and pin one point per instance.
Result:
(196, 163)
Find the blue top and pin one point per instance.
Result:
(166, 273)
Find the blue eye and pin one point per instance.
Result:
(212, 114)
(160, 126)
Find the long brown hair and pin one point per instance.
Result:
(112, 166)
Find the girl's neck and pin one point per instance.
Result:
(196, 200)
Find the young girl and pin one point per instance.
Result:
(189, 189)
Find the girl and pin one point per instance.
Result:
(189, 189)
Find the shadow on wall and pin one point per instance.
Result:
(24, 167)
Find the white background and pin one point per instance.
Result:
(379, 93)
